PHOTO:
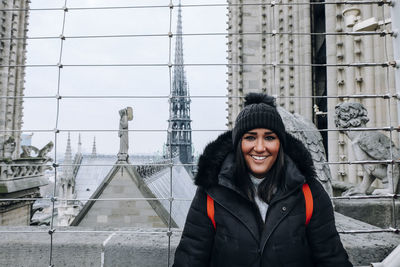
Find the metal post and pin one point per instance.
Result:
(395, 11)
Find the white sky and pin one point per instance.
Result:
(102, 114)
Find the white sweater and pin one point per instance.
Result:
(262, 206)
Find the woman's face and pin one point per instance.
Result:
(260, 149)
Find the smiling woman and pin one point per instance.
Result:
(254, 176)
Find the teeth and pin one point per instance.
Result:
(259, 158)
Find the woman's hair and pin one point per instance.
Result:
(273, 180)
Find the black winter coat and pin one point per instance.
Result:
(241, 238)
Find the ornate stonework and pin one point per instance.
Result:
(259, 37)
(12, 58)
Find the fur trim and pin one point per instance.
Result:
(214, 154)
(211, 160)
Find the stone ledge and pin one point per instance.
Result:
(74, 246)
(378, 212)
(14, 185)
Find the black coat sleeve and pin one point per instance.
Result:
(326, 247)
(197, 239)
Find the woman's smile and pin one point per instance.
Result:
(259, 157)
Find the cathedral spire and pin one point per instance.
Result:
(67, 169)
(179, 81)
(94, 150)
(179, 141)
(79, 145)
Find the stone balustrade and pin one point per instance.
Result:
(22, 174)
(23, 168)
(149, 170)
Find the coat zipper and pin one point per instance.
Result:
(284, 216)
(237, 217)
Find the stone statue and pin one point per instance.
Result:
(126, 115)
(309, 135)
(9, 147)
(367, 146)
(45, 150)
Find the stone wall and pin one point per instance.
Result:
(79, 246)
(16, 216)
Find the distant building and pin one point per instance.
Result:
(141, 189)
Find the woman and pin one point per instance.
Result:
(255, 174)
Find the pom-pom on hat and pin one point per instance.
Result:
(259, 112)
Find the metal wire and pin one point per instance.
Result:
(169, 233)
(206, 130)
(358, 65)
(370, 231)
(170, 230)
(390, 178)
(107, 36)
(362, 96)
(387, 196)
(271, 3)
(193, 164)
(176, 230)
(52, 229)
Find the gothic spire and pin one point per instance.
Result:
(94, 150)
(179, 81)
(79, 145)
(179, 141)
(67, 168)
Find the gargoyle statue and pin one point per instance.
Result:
(27, 150)
(368, 146)
(9, 147)
(45, 150)
(309, 135)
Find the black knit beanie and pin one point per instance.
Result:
(259, 112)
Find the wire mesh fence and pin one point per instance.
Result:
(73, 82)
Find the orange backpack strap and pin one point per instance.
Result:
(309, 202)
(210, 210)
(307, 196)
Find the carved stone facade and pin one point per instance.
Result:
(12, 56)
(357, 80)
(260, 41)
(253, 41)
(21, 175)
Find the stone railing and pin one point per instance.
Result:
(23, 168)
(148, 170)
(22, 174)
(141, 247)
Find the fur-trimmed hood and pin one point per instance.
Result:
(212, 162)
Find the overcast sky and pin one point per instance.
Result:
(79, 114)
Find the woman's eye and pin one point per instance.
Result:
(270, 137)
(249, 138)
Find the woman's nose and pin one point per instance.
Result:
(259, 146)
